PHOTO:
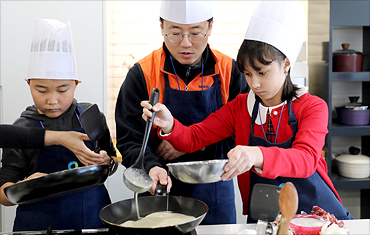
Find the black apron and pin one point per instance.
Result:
(312, 191)
(78, 210)
(191, 107)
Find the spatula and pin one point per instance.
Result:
(264, 205)
(288, 203)
(92, 124)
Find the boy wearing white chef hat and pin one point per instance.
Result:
(279, 128)
(194, 81)
(52, 77)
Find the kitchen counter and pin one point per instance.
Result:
(360, 226)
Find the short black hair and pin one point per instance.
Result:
(251, 51)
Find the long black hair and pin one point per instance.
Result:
(251, 51)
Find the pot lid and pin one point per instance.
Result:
(353, 159)
(346, 51)
(354, 105)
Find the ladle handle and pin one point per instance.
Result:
(154, 97)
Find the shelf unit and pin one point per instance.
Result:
(349, 23)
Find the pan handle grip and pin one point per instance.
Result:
(154, 97)
(160, 190)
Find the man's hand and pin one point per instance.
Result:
(166, 152)
(159, 175)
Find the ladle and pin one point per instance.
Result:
(135, 177)
(288, 204)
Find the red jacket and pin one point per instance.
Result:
(302, 160)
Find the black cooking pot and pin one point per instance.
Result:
(117, 213)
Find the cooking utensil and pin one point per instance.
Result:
(353, 113)
(91, 122)
(347, 60)
(288, 203)
(264, 203)
(198, 172)
(161, 190)
(353, 166)
(135, 177)
(117, 213)
(56, 184)
(264, 206)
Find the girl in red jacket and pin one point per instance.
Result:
(279, 128)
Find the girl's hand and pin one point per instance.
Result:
(242, 159)
(163, 117)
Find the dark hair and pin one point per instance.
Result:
(209, 20)
(251, 51)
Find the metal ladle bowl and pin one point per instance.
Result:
(135, 177)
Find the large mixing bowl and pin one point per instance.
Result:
(198, 172)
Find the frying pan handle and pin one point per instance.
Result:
(154, 97)
(160, 190)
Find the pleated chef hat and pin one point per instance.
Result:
(52, 51)
(186, 12)
(281, 24)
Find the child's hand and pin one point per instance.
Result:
(34, 176)
(107, 161)
(163, 117)
(242, 159)
(74, 141)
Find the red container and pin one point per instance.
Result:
(347, 60)
(305, 224)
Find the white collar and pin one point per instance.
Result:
(263, 109)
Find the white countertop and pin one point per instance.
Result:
(360, 227)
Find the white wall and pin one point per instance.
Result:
(17, 22)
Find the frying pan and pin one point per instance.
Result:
(56, 184)
(117, 213)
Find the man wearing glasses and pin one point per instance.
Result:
(194, 81)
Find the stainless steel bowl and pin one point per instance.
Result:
(198, 172)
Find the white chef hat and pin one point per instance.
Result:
(52, 51)
(186, 12)
(281, 24)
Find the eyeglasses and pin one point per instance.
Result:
(193, 37)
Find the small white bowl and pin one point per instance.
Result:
(353, 166)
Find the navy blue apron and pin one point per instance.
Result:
(312, 191)
(79, 210)
(192, 107)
